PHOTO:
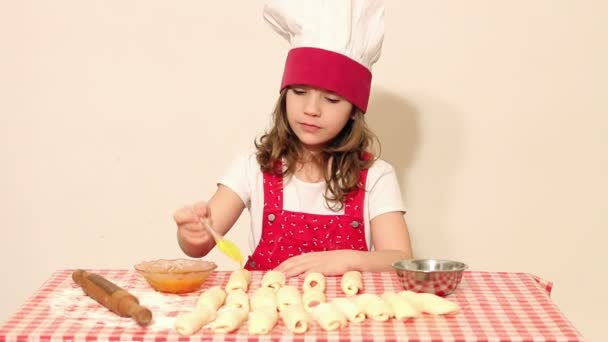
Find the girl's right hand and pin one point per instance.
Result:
(193, 238)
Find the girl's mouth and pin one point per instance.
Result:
(309, 127)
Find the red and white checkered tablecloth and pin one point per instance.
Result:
(495, 306)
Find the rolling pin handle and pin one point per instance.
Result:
(142, 315)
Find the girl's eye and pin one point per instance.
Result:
(332, 100)
(298, 91)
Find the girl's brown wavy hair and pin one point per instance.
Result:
(342, 159)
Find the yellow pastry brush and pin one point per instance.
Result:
(229, 248)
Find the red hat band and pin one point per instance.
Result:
(328, 70)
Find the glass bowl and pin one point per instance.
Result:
(176, 275)
(440, 277)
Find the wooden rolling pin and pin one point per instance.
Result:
(112, 297)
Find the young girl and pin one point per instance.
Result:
(319, 200)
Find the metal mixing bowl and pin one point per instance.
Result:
(440, 277)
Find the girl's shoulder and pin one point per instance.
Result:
(247, 158)
(380, 169)
(381, 165)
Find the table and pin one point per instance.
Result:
(495, 306)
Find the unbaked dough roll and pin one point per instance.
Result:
(363, 299)
(430, 303)
(314, 281)
(239, 279)
(273, 279)
(228, 320)
(296, 319)
(400, 306)
(189, 323)
(329, 317)
(351, 283)
(262, 320)
(288, 295)
(237, 299)
(263, 296)
(353, 312)
(312, 298)
(375, 308)
(212, 298)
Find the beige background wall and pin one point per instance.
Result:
(115, 113)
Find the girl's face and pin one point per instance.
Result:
(316, 116)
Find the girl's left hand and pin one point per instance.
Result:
(328, 263)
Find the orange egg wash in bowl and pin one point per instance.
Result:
(176, 275)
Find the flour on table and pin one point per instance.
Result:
(74, 304)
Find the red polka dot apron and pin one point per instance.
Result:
(287, 233)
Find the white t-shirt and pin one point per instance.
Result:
(246, 179)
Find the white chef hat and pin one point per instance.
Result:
(334, 43)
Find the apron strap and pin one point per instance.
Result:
(273, 188)
(273, 191)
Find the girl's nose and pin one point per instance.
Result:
(312, 104)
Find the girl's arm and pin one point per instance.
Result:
(224, 208)
(391, 241)
(389, 236)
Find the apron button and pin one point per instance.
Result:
(271, 217)
(354, 224)
(252, 264)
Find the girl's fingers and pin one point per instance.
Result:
(298, 265)
(287, 266)
(184, 215)
(194, 233)
(295, 271)
(193, 228)
(201, 209)
(295, 260)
